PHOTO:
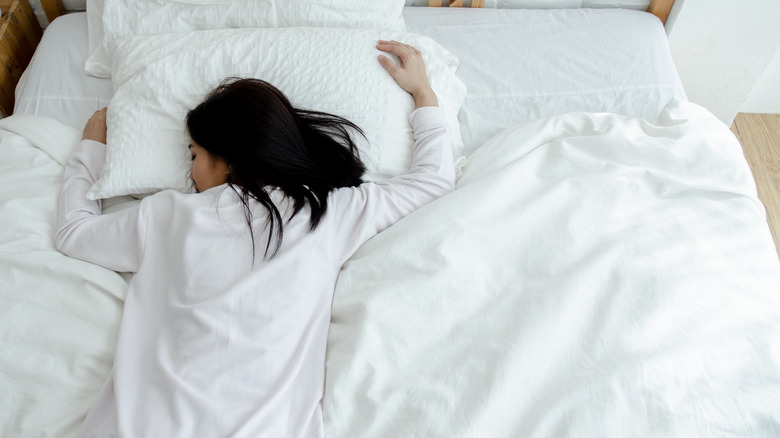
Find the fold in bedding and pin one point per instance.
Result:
(592, 275)
(58, 316)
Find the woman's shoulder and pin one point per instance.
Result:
(165, 196)
(168, 200)
(343, 195)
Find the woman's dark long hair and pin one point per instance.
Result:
(265, 141)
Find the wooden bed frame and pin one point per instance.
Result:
(19, 36)
(53, 9)
(660, 8)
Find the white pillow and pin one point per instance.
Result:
(127, 18)
(157, 79)
(95, 37)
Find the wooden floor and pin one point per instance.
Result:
(760, 137)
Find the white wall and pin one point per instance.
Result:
(765, 95)
(721, 48)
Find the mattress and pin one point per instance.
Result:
(54, 84)
(630, 71)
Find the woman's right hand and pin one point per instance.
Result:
(96, 128)
(411, 74)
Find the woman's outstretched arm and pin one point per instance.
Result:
(372, 207)
(114, 241)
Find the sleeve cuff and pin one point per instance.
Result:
(426, 116)
(94, 155)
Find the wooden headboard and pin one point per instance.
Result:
(19, 36)
(20, 33)
(53, 9)
(659, 8)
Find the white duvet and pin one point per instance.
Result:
(58, 316)
(592, 275)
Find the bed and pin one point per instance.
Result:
(603, 267)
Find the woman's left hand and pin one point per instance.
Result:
(411, 74)
(96, 127)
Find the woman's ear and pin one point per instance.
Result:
(221, 169)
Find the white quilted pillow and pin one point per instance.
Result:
(111, 20)
(157, 79)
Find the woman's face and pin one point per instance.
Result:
(207, 170)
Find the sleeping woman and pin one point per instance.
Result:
(225, 322)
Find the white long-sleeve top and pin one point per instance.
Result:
(210, 344)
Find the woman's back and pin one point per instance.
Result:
(206, 331)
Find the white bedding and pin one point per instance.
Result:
(80, 5)
(522, 65)
(591, 276)
(54, 84)
(58, 316)
(505, 63)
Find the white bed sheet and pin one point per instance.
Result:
(54, 84)
(518, 65)
(522, 65)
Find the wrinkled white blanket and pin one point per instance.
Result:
(591, 276)
(58, 316)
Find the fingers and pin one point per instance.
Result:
(96, 128)
(401, 50)
(388, 64)
(404, 52)
(411, 74)
(410, 57)
(99, 114)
